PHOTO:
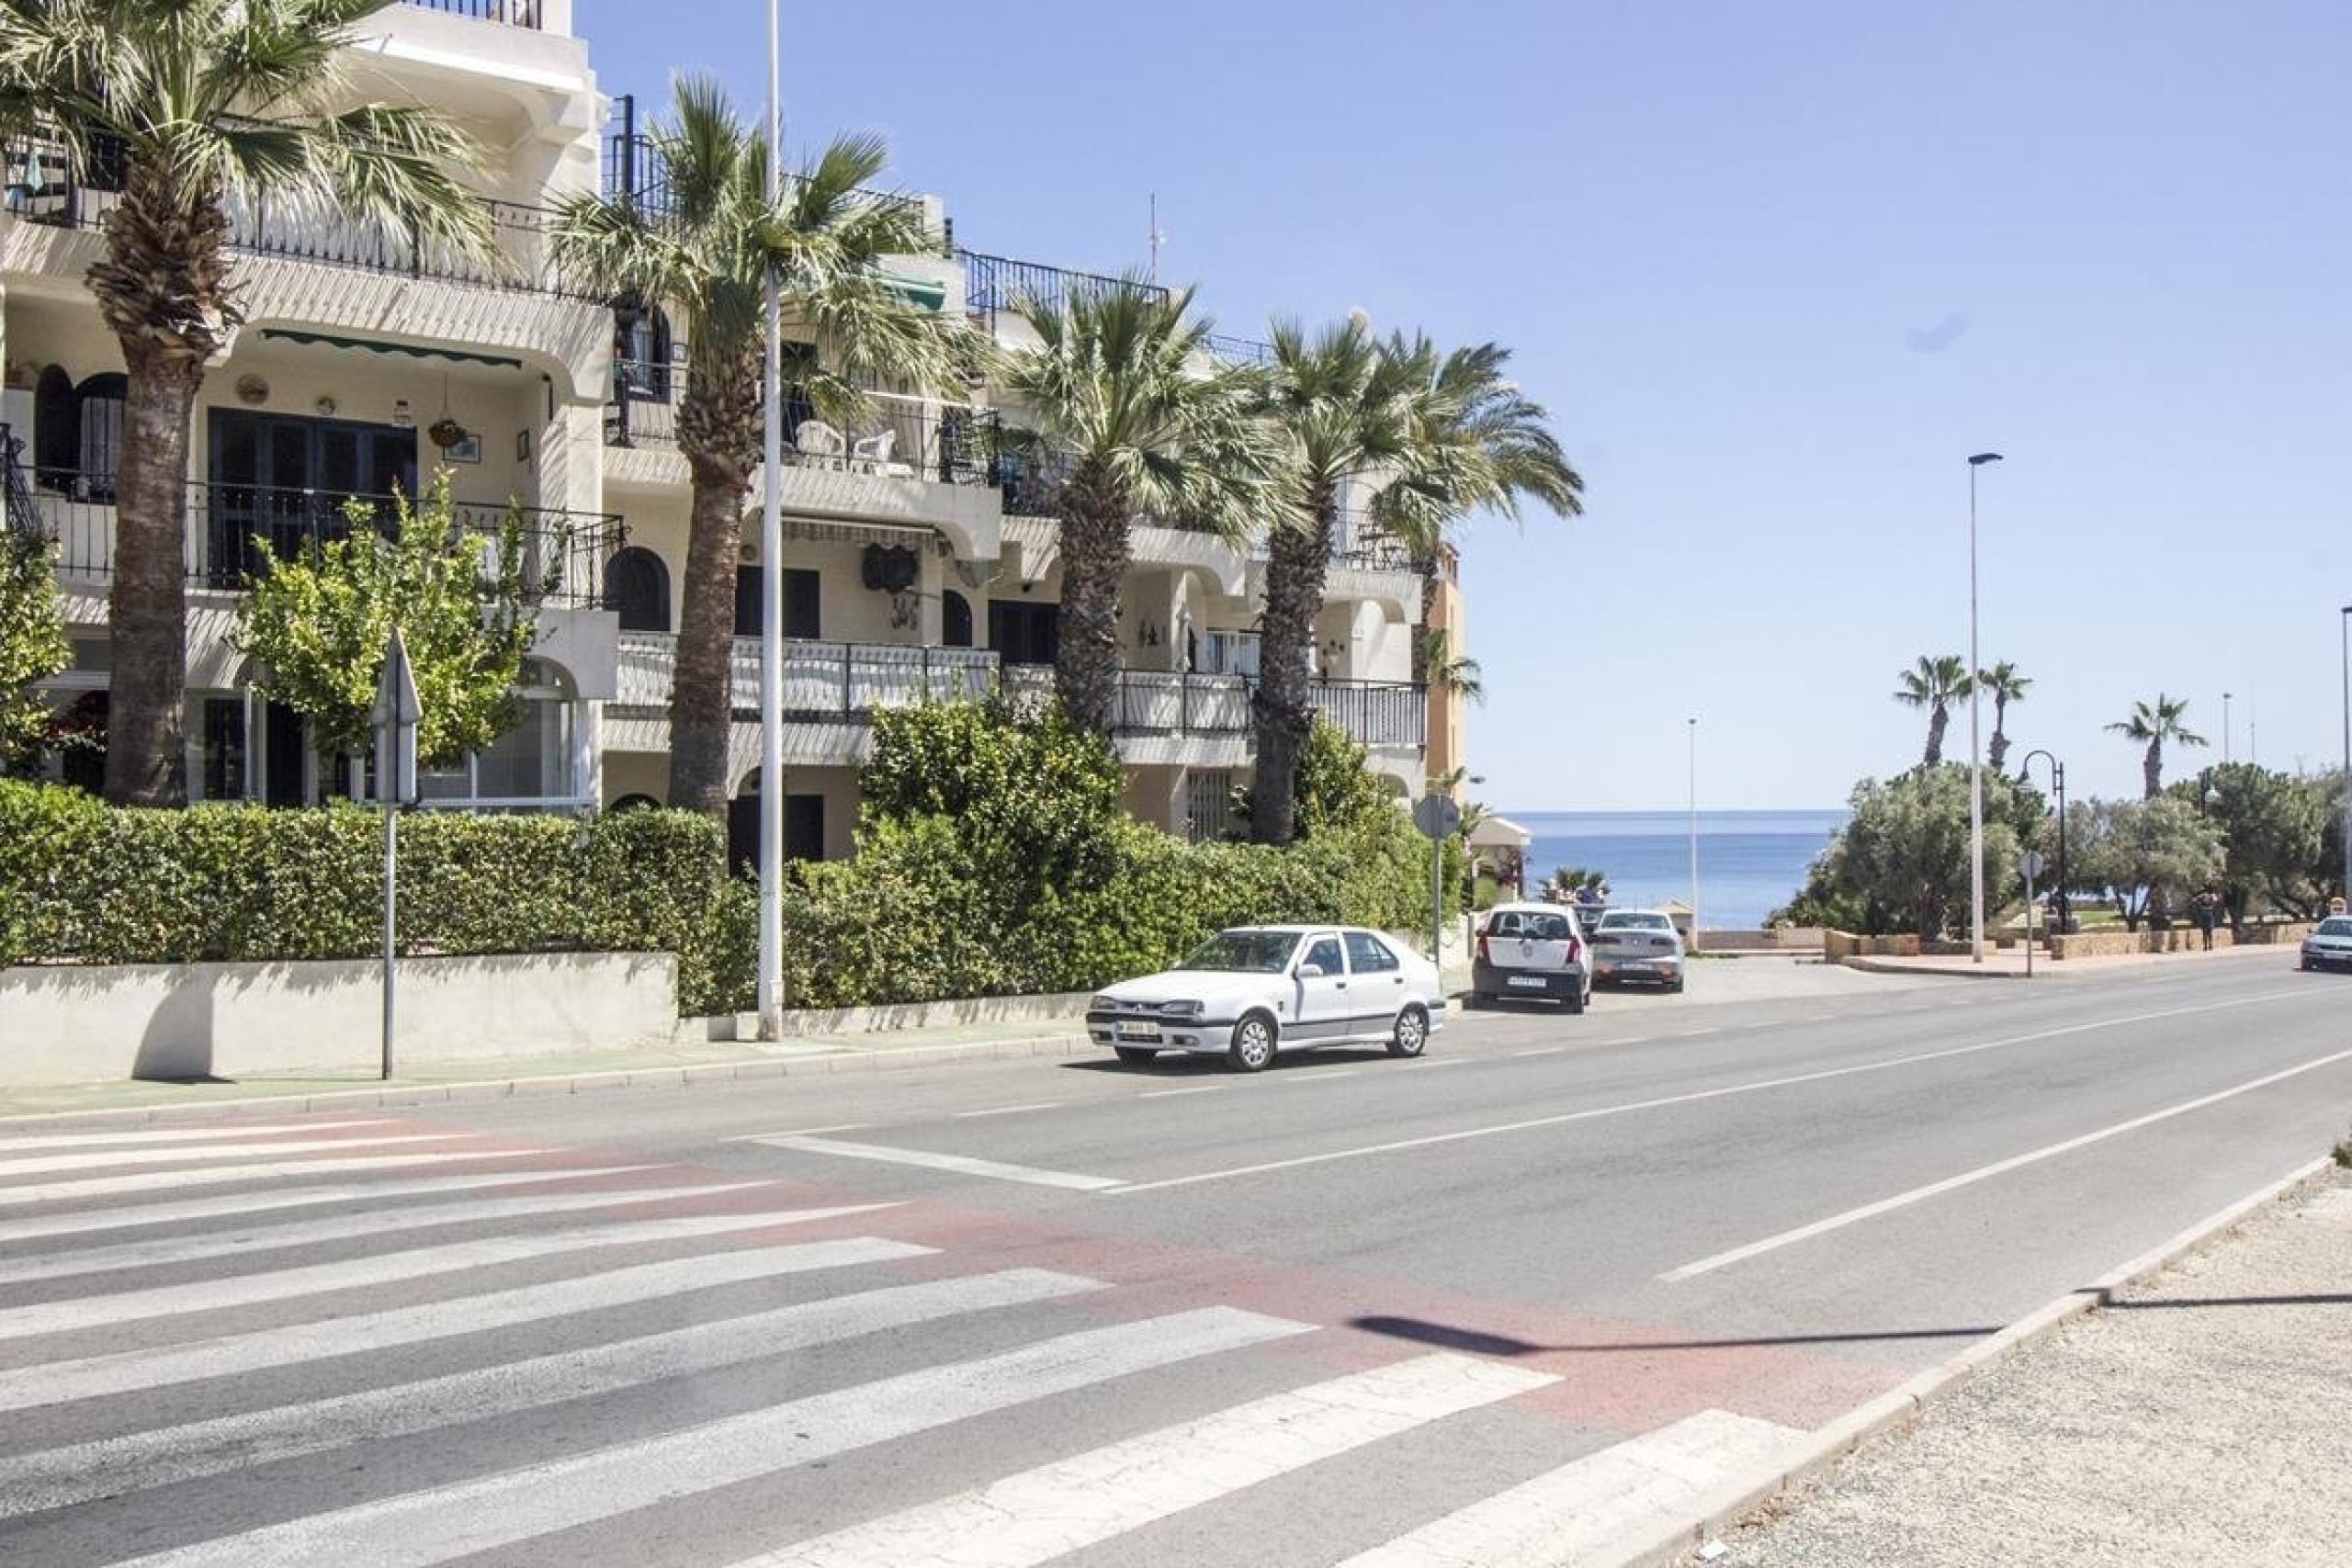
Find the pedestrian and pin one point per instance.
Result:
(2209, 914)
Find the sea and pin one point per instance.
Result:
(1750, 862)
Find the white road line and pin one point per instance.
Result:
(176, 1134)
(798, 1132)
(245, 1203)
(127, 1371)
(1694, 1034)
(1315, 1075)
(1436, 1062)
(345, 1227)
(1007, 1110)
(960, 1164)
(59, 1478)
(1171, 1093)
(1691, 1097)
(1984, 1172)
(225, 1175)
(114, 1159)
(416, 1263)
(1601, 1508)
(1542, 1051)
(1044, 1513)
(456, 1520)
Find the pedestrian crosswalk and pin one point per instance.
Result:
(369, 1344)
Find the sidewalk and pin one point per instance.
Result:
(2202, 1420)
(2010, 964)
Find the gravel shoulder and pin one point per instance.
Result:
(2203, 1420)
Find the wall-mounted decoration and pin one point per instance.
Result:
(466, 448)
(325, 407)
(252, 389)
(522, 446)
(401, 418)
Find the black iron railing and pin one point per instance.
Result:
(995, 283)
(1239, 350)
(40, 183)
(508, 12)
(634, 172)
(231, 532)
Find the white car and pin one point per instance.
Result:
(1639, 944)
(1257, 990)
(2330, 944)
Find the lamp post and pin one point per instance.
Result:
(2344, 624)
(2058, 789)
(2226, 730)
(771, 986)
(1975, 736)
(1694, 831)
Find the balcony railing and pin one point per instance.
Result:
(902, 438)
(508, 12)
(996, 283)
(634, 171)
(1239, 350)
(43, 187)
(824, 682)
(233, 532)
(1166, 703)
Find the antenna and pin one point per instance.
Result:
(1158, 238)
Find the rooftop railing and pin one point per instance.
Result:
(996, 283)
(42, 185)
(1239, 350)
(634, 170)
(507, 13)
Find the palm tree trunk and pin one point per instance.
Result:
(1998, 753)
(1938, 718)
(2151, 768)
(1298, 560)
(147, 609)
(718, 434)
(1095, 565)
(1431, 580)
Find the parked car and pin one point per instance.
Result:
(1254, 991)
(1639, 944)
(2330, 944)
(1531, 950)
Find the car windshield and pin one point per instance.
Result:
(2335, 928)
(1245, 952)
(1635, 922)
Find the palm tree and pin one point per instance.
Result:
(704, 251)
(1488, 444)
(2151, 724)
(1458, 675)
(203, 106)
(1934, 684)
(1113, 401)
(2004, 685)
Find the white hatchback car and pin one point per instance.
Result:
(1255, 991)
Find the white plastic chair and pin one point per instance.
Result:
(874, 451)
(815, 438)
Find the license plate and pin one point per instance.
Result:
(1138, 1030)
(1637, 969)
(1530, 982)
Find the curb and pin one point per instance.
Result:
(576, 1083)
(1901, 1405)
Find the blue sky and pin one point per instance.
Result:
(1778, 270)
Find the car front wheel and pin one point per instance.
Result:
(1252, 1050)
(1411, 1036)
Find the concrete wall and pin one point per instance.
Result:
(2178, 938)
(76, 1024)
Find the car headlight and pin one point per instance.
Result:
(1099, 1004)
(1182, 1010)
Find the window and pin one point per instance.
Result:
(803, 597)
(57, 430)
(642, 355)
(1367, 954)
(530, 762)
(1208, 804)
(1325, 955)
(1025, 634)
(224, 749)
(955, 619)
(637, 586)
(99, 401)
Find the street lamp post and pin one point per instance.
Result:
(1975, 736)
(2058, 789)
(771, 946)
(2226, 730)
(1694, 831)
(2344, 624)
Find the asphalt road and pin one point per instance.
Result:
(1514, 1302)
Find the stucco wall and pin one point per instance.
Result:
(102, 1023)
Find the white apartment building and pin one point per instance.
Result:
(916, 562)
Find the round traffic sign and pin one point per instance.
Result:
(2029, 864)
(1436, 816)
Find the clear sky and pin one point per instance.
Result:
(1778, 270)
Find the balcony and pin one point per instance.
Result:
(44, 188)
(993, 284)
(531, 14)
(824, 682)
(233, 532)
(904, 438)
(1383, 715)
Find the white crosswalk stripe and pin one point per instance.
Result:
(423, 1528)
(228, 1175)
(242, 1205)
(369, 1225)
(146, 1135)
(1045, 1513)
(128, 1371)
(246, 1289)
(115, 1160)
(77, 1473)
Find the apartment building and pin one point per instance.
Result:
(918, 563)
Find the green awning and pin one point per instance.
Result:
(916, 290)
(374, 345)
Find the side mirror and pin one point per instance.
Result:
(1310, 971)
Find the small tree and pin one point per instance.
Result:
(1333, 791)
(2146, 853)
(2271, 826)
(1569, 884)
(1903, 857)
(32, 644)
(316, 626)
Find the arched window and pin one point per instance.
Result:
(956, 620)
(637, 586)
(641, 353)
(633, 803)
(99, 439)
(57, 430)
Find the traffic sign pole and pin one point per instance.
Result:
(1439, 818)
(2030, 867)
(396, 714)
